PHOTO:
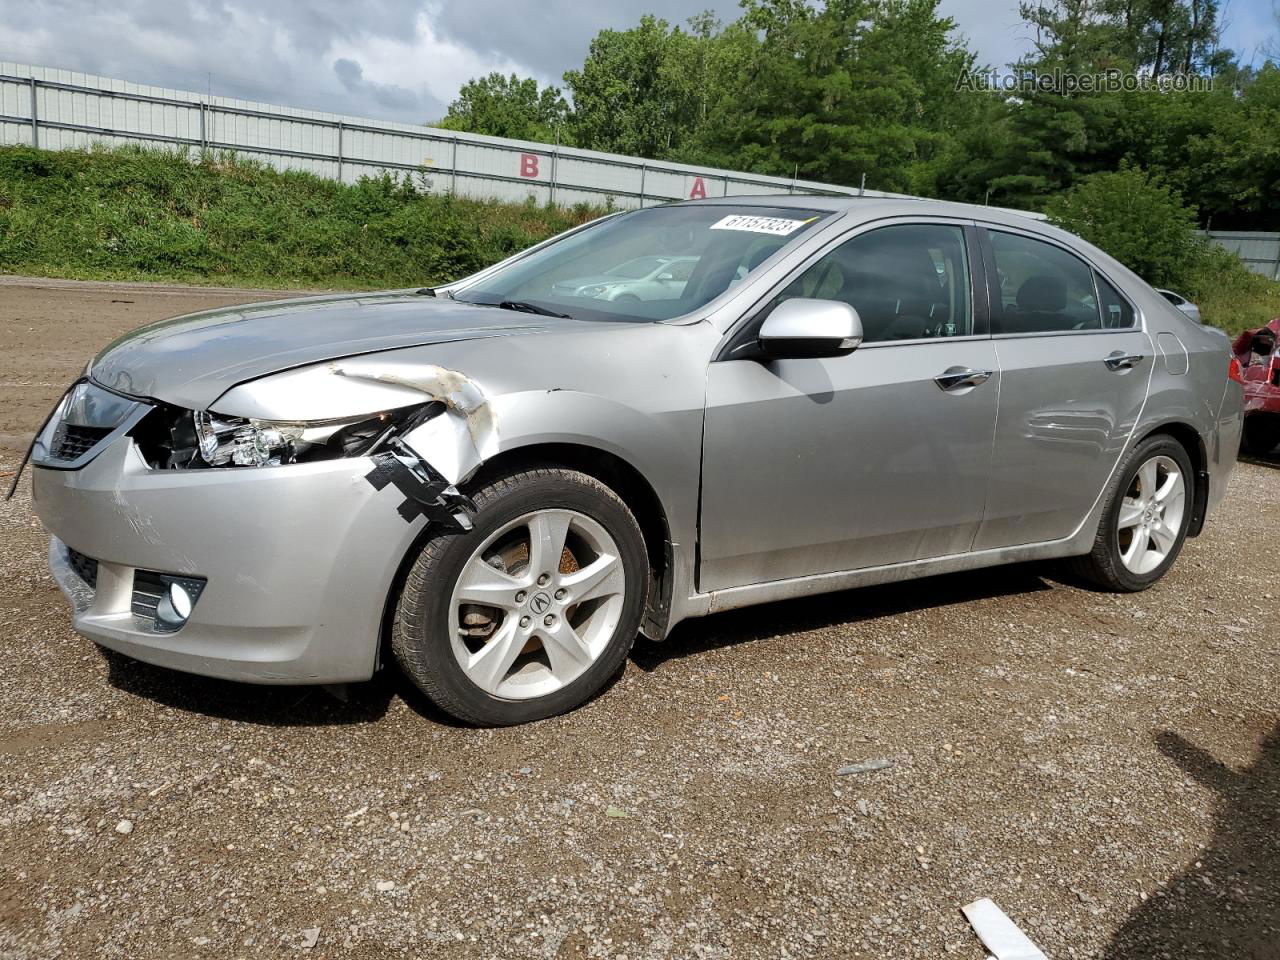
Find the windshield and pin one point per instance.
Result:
(635, 269)
(651, 264)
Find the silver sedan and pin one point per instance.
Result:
(499, 485)
(1180, 302)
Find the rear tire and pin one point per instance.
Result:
(1144, 523)
(531, 612)
(1261, 433)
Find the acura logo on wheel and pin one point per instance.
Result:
(540, 603)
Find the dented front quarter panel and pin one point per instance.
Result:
(633, 390)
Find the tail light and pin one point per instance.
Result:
(1235, 371)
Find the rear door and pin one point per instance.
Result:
(1075, 366)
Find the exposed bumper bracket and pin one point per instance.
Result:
(426, 492)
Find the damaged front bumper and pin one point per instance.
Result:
(297, 561)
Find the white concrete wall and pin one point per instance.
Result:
(77, 110)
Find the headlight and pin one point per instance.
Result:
(599, 290)
(245, 443)
(181, 439)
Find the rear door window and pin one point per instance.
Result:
(1117, 312)
(1042, 288)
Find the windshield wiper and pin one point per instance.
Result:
(523, 306)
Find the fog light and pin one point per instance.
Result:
(175, 606)
(163, 601)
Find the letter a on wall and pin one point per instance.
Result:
(528, 164)
(699, 191)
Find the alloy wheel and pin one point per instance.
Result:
(1151, 514)
(536, 604)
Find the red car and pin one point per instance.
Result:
(1260, 367)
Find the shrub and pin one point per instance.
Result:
(1143, 223)
(132, 213)
(1136, 218)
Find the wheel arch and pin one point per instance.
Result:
(1193, 442)
(629, 483)
(619, 475)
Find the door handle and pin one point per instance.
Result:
(957, 377)
(1120, 360)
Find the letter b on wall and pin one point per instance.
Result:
(528, 164)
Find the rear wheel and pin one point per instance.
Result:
(1144, 523)
(531, 612)
(1261, 433)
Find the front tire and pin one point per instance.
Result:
(1145, 520)
(531, 612)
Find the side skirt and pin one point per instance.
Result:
(736, 597)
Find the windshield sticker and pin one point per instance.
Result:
(778, 226)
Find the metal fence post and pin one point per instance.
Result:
(339, 151)
(204, 137)
(35, 129)
(453, 169)
(726, 186)
(644, 169)
(555, 163)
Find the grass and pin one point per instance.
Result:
(140, 214)
(135, 214)
(1229, 295)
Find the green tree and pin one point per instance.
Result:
(1236, 159)
(508, 106)
(1135, 217)
(1045, 141)
(647, 91)
(835, 92)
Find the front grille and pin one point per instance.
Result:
(71, 442)
(86, 568)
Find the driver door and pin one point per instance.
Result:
(814, 466)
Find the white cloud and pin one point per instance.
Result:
(422, 62)
(994, 32)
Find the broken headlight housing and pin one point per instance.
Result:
(174, 438)
(244, 443)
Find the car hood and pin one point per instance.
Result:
(192, 360)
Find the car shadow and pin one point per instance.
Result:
(1271, 459)
(1228, 903)
(270, 705)
(694, 637)
(367, 702)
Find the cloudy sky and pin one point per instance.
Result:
(399, 59)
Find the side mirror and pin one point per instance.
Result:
(801, 328)
(666, 276)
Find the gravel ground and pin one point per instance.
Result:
(1106, 768)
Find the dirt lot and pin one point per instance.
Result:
(1106, 768)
